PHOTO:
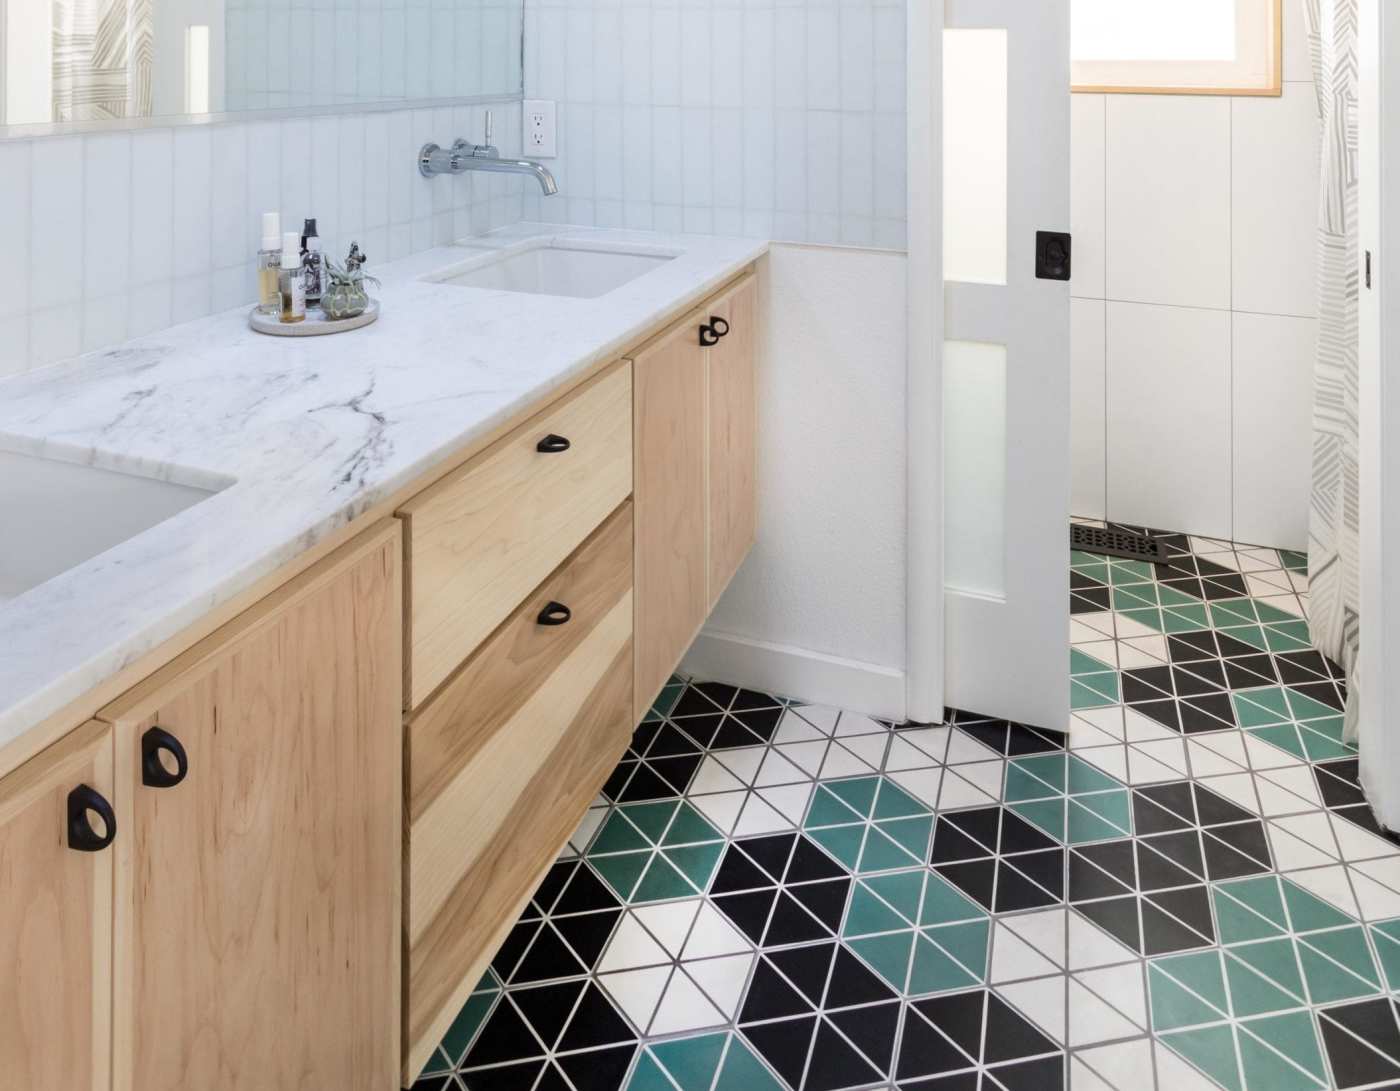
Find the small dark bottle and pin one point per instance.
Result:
(313, 265)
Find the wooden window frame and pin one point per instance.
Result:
(1122, 77)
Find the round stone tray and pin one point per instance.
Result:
(316, 324)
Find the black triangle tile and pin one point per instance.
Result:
(595, 1023)
(733, 734)
(738, 872)
(836, 1065)
(587, 934)
(553, 884)
(1089, 882)
(749, 698)
(702, 728)
(784, 1045)
(1157, 872)
(924, 1051)
(1251, 673)
(721, 693)
(982, 825)
(645, 785)
(1016, 892)
(791, 923)
(1169, 924)
(511, 1077)
(1041, 1074)
(1225, 859)
(1192, 647)
(852, 983)
(1183, 848)
(1374, 1023)
(1018, 835)
(809, 863)
(1206, 712)
(1046, 869)
(1022, 740)
(552, 1079)
(1215, 810)
(771, 996)
(770, 853)
(872, 1030)
(586, 893)
(951, 844)
(674, 772)
(1199, 678)
(670, 741)
(975, 878)
(749, 912)
(825, 900)
(517, 942)
(763, 722)
(598, 1069)
(1114, 858)
(807, 968)
(1116, 916)
(694, 702)
(1147, 684)
(505, 1037)
(992, 734)
(958, 1016)
(549, 957)
(618, 778)
(546, 1008)
(1010, 1036)
(1175, 798)
(1166, 712)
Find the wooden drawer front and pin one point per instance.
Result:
(503, 763)
(480, 539)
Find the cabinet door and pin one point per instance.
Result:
(258, 892)
(668, 468)
(733, 435)
(56, 917)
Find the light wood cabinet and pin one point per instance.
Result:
(258, 789)
(55, 917)
(733, 435)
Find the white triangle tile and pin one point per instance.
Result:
(1169, 752)
(1359, 844)
(1139, 728)
(1128, 628)
(632, 946)
(793, 728)
(1105, 650)
(933, 741)
(776, 769)
(743, 762)
(1226, 744)
(963, 748)
(722, 809)
(1098, 621)
(1238, 788)
(1043, 930)
(1330, 884)
(1265, 755)
(869, 748)
(922, 784)
(789, 800)
(1091, 1020)
(757, 817)
(904, 755)
(1288, 603)
(1175, 1074)
(1154, 647)
(1108, 719)
(956, 792)
(840, 762)
(1130, 658)
(1079, 633)
(592, 819)
(807, 756)
(713, 935)
(987, 775)
(1013, 959)
(1042, 1002)
(637, 992)
(1209, 763)
(1146, 770)
(1090, 947)
(713, 777)
(1300, 584)
(684, 1007)
(1083, 735)
(1122, 987)
(818, 716)
(723, 979)
(1083, 1078)
(853, 723)
(1377, 902)
(1385, 871)
(1274, 800)
(1124, 1066)
(1292, 853)
(1202, 546)
(1113, 760)
(669, 923)
(1312, 828)
(1265, 584)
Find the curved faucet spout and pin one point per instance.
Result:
(548, 186)
(464, 156)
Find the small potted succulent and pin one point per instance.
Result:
(344, 295)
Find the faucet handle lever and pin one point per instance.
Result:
(489, 127)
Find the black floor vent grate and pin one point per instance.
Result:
(1117, 542)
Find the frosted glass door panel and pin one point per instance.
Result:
(974, 156)
(974, 468)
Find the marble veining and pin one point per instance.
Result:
(313, 432)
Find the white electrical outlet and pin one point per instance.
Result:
(540, 139)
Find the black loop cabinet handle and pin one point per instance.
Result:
(83, 801)
(719, 325)
(552, 445)
(556, 613)
(708, 336)
(154, 772)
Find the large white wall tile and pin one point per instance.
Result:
(1088, 419)
(1168, 197)
(1273, 387)
(1274, 202)
(1086, 192)
(1169, 417)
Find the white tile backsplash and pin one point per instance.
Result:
(116, 235)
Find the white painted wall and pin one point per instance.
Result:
(1193, 318)
(818, 610)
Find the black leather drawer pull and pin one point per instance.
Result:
(556, 613)
(552, 445)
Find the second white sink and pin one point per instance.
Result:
(552, 268)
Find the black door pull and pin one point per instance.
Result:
(82, 801)
(154, 772)
(552, 445)
(1053, 250)
(708, 336)
(556, 613)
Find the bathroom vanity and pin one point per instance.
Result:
(266, 816)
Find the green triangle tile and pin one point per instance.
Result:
(1270, 614)
(696, 862)
(1184, 619)
(617, 835)
(1327, 981)
(1307, 912)
(967, 943)
(1049, 768)
(1081, 696)
(1251, 994)
(690, 827)
(691, 1061)
(662, 881)
(1304, 707)
(843, 842)
(1258, 707)
(1320, 748)
(827, 809)
(459, 1035)
(1284, 736)
(868, 915)
(1389, 928)
(1085, 826)
(1292, 560)
(651, 818)
(1294, 1035)
(1329, 727)
(647, 1076)
(1132, 571)
(1238, 920)
(1291, 638)
(1105, 683)
(1084, 663)
(902, 890)
(859, 793)
(1171, 597)
(1347, 946)
(1253, 635)
(1212, 1050)
(665, 701)
(889, 955)
(743, 1071)
(943, 904)
(1276, 960)
(1225, 612)
(1135, 597)
(882, 853)
(1083, 777)
(438, 1063)
(621, 872)
(1388, 950)
(912, 833)
(1020, 785)
(1088, 815)
(1152, 619)
(1173, 976)
(1267, 1071)
(934, 971)
(1047, 814)
(488, 983)
(894, 802)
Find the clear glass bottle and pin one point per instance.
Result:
(269, 265)
(291, 283)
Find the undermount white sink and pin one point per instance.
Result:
(60, 514)
(553, 269)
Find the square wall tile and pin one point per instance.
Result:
(1168, 198)
(1169, 417)
(1273, 399)
(1088, 363)
(1086, 193)
(1274, 168)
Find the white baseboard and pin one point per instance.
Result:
(796, 672)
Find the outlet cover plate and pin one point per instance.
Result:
(539, 137)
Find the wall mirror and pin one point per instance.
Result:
(82, 63)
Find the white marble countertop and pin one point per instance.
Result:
(314, 430)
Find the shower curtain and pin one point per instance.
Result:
(1334, 517)
(101, 59)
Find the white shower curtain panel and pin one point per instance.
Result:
(101, 59)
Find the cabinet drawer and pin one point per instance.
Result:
(503, 762)
(482, 538)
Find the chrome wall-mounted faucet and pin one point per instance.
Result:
(464, 156)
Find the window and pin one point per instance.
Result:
(1183, 47)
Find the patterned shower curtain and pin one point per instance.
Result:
(101, 59)
(1334, 519)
